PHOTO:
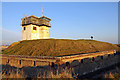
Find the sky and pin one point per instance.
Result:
(59, 0)
(70, 20)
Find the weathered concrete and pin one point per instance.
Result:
(35, 28)
(81, 64)
(21, 61)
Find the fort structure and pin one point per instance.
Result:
(82, 64)
(38, 28)
(20, 61)
(35, 28)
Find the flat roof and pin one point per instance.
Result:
(42, 17)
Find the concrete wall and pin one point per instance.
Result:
(23, 62)
(80, 66)
(26, 34)
(35, 33)
(44, 32)
(90, 65)
(41, 32)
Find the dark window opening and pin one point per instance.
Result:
(114, 54)
(93, 59)
(101, 57)
(81, 60)
(67, 63)
(7, 60)
(34, 63)
(27, 21)
(34, 28)
(20, 62)
(52, 64)
(24, 28)
(108, 55)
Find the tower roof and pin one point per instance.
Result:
(43, 17)
(30, 16)
(42, 21)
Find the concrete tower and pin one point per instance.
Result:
(35, 28)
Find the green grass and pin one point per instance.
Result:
(57, 47)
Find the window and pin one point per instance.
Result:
(101, 57)
(108, 55)
(93, 58)
(7, 60)
(81, 60)
(34, 28)
(20, 62)
(24, 28)
(27, 22)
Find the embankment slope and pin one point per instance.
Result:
(57, 47)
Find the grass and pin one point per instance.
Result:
(63, 74)
(115, 76)
(20, 74)
(57, 47)
(13, 74)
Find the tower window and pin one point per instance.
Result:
(34, 28)
(24, 28)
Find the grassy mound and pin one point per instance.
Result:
(57, 47)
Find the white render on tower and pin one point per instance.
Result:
(35, 28)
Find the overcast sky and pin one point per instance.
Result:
(70, 20)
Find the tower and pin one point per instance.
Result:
(35, 28)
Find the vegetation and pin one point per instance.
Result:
(57, 47)
(47, 74)
(12, 72)
(115, 76)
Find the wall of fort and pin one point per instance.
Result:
(81, 64)
(90, 65)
